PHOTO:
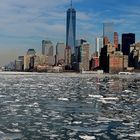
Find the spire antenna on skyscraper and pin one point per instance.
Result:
(71, 4)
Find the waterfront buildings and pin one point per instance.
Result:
(19, 63)
(134, 56)
(47, 48)
(108, 33)
(99, 45)
(127, 40)
(117, 62)
(68, 57)
(40, 63)
(112, 61)
(82, 63)
(71, 28)
(94, 63)
(29, 60)
(31, 52)
(60, 53)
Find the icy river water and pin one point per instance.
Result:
(69, 107)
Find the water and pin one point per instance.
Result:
(69, 107)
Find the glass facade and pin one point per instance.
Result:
(99, 45)
(127, 40)
(47, 47)
(71, 29)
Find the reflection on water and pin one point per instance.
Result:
(52, 106)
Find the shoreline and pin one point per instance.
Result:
(70, 74)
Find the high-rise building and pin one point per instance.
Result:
(78, 49)
(116, 40)
(31, 52)
(68, 57)
(71, 28)
(47, 48)
(84, 57)
(127, 40)
(134, 56)
(60, 53)
(99, 45)
(108, 33)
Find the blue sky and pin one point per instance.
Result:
(24, 24)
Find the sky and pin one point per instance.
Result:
(25, 23)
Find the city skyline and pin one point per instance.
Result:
(24, 24)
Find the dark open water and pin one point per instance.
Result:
(69, 107)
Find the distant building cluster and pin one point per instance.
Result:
(75, 55)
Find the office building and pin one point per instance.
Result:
(104, 57)
(78, 49)
(47, 48)
(71, 28)
(116, 62)
(18, 65)
(84, 57)
(134, 56)
(29, 60)
(108, 33)
(60, 53)
(68, 57)
(99, 45)
(127, 40)
(112, 61)
(94, 63)
(31, 52)
(116, 40)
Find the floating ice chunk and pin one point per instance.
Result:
(2, 96)
(63, 99)
(87, 137)
(111, 98)
(104, 119)
(77, 122)
(57, 89)
(2, 133)
(105, 101)
(50, 85)
(89, 82)
(127, 91)
(137, 134)
(95, 96)
(35, 104)
(14, 130)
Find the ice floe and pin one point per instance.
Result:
(86, 137)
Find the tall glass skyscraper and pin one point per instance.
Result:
(71, 29)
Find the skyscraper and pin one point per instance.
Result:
(84, 57)
(47, 48)
(115, 40)
(71, 28)
(60, 53)
(99, 45)
(108, 33)
(127, 40)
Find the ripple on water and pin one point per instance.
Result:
(69, 106)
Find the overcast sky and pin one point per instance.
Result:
(25, 23)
